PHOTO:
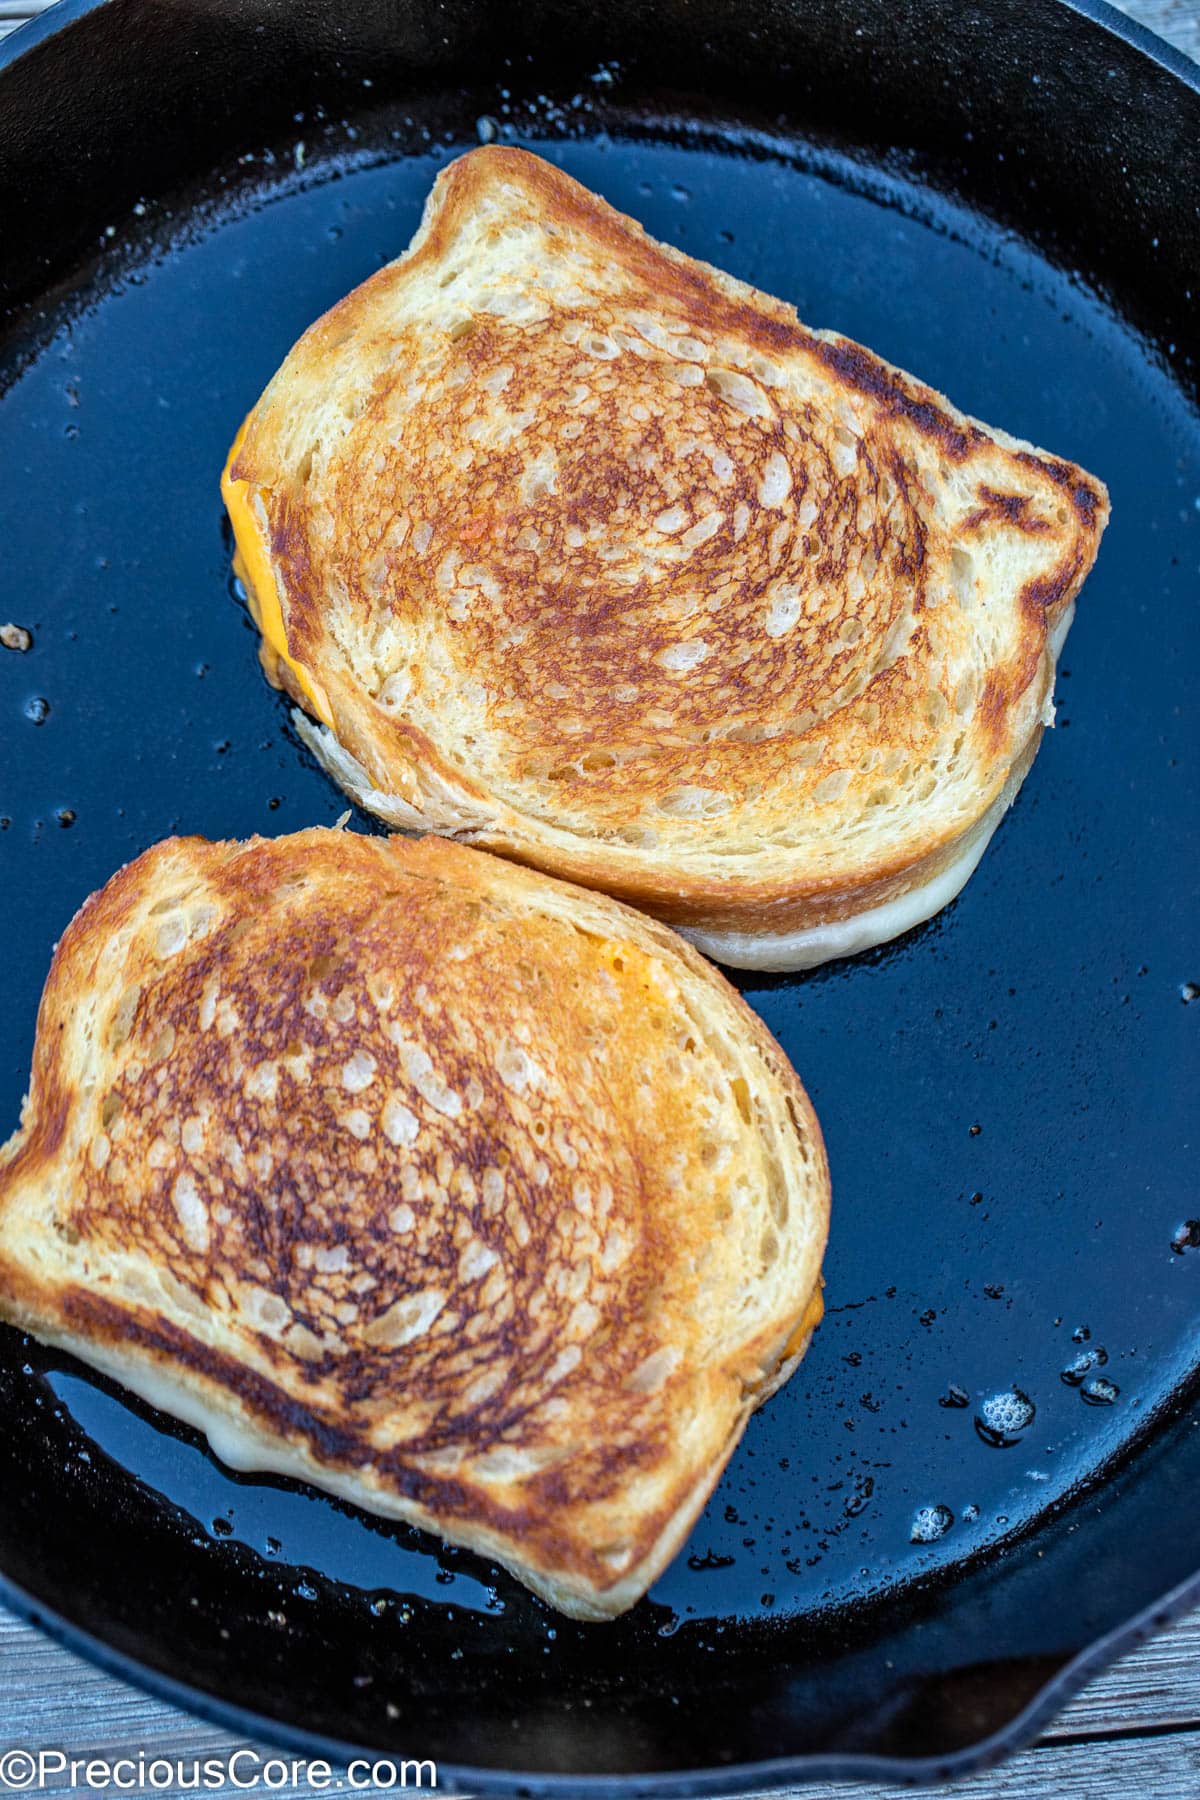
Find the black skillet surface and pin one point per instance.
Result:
(1001, 197)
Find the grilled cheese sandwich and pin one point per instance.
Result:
(577, 549)
(474, 1198)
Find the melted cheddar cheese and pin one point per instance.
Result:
(813, 1314)
(252, 566)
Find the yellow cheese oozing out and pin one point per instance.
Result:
(252, 566)
(814, 1312)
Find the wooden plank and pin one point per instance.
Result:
(1156, 1768)
(1150, 1768)
(1176, 20)
(15, 12)
(1154, 1688)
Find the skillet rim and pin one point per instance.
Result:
(735, 1778)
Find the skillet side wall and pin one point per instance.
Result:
(998, 104)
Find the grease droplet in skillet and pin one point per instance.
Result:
(1002, 1417)
(37, 709)
(712, 1559)
(930, 1523)
(955, 1397)
(1076, 1372)
(1187, 1237)
(857, 1502)
(1081, 1334)
(1189, 991)
(486, 129)
(222, 1527)
(1100, 1391)
(66, 817)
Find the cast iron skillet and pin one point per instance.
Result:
(1001, 197)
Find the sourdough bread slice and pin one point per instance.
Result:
(477, 1199)
(574, 548)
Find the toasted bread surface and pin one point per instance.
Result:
(476, 1198)
(581, 550)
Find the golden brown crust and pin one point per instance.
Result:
(435, 1177)
(606, 561)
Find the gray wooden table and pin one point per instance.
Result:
(1134, 1731)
